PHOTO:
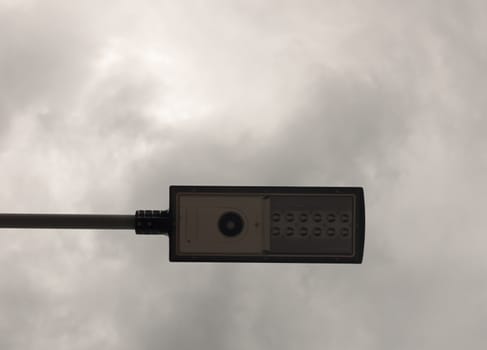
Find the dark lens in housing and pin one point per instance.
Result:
(230, 224)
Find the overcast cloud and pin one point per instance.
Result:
(103, 105)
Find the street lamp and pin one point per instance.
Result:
(239, 223)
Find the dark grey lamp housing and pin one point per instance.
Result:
(240, 223)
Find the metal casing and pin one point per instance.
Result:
(274, 229)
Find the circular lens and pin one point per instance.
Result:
(290, 231)
(303, 217)
(331, 217)
(290, 217)
(317, 217)
(331, 232)
(276, 231)
(231, 224)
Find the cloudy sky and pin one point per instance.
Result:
(103, 105)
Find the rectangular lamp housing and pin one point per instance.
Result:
(267, 224)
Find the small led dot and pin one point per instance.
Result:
(331, 232)
(303, 231)
(317, 217)
(290, 217)
(303, 217)
(345, 232)
(276, 217)
(290, 231)
(331, 218)
(317, 231)
(345, 218)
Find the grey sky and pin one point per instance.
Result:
(103, 106)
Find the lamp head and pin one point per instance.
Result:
(267, 224)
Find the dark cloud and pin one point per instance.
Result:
(103, 107)
(46, 51)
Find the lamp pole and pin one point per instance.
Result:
(143, 222)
